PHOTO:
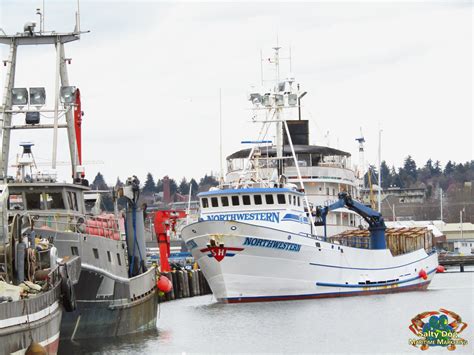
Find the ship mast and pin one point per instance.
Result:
(279, 126)
(20, 104)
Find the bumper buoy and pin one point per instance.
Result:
(35, 349)
(423, 274)
(440, 269)
(164, 284)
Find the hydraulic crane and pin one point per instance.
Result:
(373, 218)
(165, 224)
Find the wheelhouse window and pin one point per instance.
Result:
(281, 199)
(15, 202)
(225, 201)
(269, 199)
(35, 201)
(299, 201)
(294, 200)
(214, 202)
(257, 199)
(204, 203)
(235, 200)
(246, 200)
(72, 200)
(55, 201)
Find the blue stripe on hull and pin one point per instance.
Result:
(419, 286)
(372, 285)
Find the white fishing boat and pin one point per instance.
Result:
(260, 237)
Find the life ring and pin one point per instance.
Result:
(68, 295)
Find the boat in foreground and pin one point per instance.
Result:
(256, 241)
(116, 293)
(35, 286)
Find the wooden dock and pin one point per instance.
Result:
(186, 283)
(456, 260)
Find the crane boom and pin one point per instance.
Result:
(373, 218)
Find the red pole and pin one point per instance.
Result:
(161, 223)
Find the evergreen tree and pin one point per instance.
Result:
(99, 183)
(437, 168)
(207, 182)
(159, 185)
(194, 187)
(429, 166)
(183, 188)
(410, 168)
(449, 168)
(149, 186)
(396, 181)
(385, 175)
(173, 186)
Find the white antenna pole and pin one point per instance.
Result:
(220, 136)
(188, 211)
(78, 17)
(291, 71)
(261, 67)
(56, 105)
(43, 15)
(380, 175)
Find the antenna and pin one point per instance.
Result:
(380, 175)
(78, 18)
(291, 69)
(361, 141)
(220, 136)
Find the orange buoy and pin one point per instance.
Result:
(164, 284)
(423, 274)
(440, 269)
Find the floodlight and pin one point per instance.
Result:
(279, 100)
(292, 99)
(267, 100)
(19, 96)
(256, 98)
(32, 117)
(37, 96)
(68, 95)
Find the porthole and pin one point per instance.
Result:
(233, 228)
(193, 230)
(289, 237)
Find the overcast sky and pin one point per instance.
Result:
(150, 74)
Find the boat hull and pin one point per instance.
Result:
(130, 308)
(252, 263)
(41, 324)
(109, 303)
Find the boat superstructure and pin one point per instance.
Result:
(116, 291)
(259, 236)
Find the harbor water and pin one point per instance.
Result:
(365, 324)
